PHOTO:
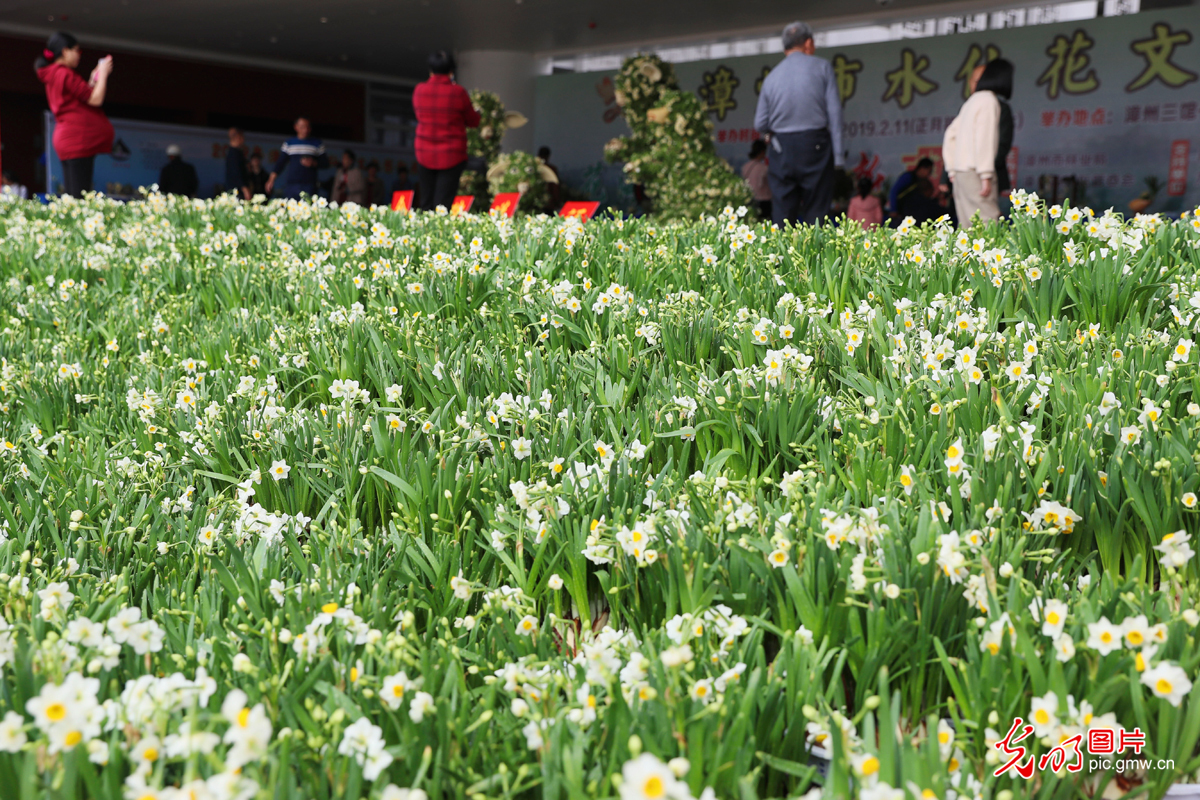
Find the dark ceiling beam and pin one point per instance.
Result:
(209, 56)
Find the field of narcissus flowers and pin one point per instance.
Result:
(300, 501)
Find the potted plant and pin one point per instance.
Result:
(1143, 201)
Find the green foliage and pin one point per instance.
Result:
(303, 502)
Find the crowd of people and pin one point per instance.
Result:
(444, 112)
(82, 131)
(792, 171)
(294, 174)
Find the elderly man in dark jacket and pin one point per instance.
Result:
(801, 110)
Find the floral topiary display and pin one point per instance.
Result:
(639, 88)
(525, 173)
(483, 142)
(670, 152)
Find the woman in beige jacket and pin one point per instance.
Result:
(969, 156)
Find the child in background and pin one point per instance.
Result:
(754, 172)
(10, 188)
(865, 208)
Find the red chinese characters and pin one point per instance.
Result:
(1102, 741)
(1134, 738)
(1077, 118)
(1177, 172)
(1067, 753)
(1057, 757)
(1012, 747)
(730, 135)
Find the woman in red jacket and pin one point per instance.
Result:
(81, 131)
(444, 112)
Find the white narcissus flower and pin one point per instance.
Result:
(364, 742)
(1043, 713)
(460, 587)
(866, 765)
(54, 597)
(12, 733)
(533, 735)
(394, 688)
(98, 751)
(521, 448)
(945, 737)
(1175, 549)
(1054, 617)
(880, 791)
(280, 470)
(1108, 403)
(676, 656)
(702, 691)
(1064, 647)
(422, 704)
(648, 778)
(207, 536)
(1136, 630)
(1103, 636)
(249, 732)
(1168, 682)
(394, 792)
(527, 625)
(1131, 434)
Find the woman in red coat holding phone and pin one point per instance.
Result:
(81, 130)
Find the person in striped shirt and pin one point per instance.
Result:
(299, 160)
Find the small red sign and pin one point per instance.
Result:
(402, 201)
(583, 209)
(1177, 173)
(462, 204)
(506, 203)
